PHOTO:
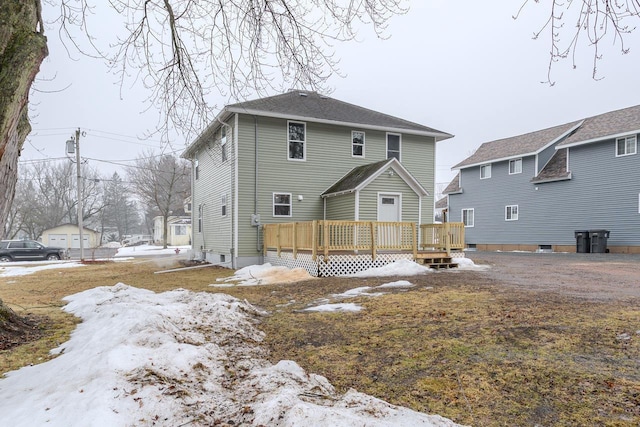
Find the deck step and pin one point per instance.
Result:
(437, 262)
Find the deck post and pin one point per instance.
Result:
(295, 243)
(372, 226)
(264, 240)
(278, 239)
(325, 240)
(415, 240)
(447, 236)
(314, 240)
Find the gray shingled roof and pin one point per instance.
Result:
(312, 105)
(520, 145)
(355, 177)
(555, 169)
(454, 185)
(442, 203)
(606, 125)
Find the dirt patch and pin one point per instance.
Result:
(16, 330)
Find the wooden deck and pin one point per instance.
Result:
(428, 244)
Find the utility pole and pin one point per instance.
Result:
(74, 145)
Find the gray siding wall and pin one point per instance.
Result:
(603, 194)
(328, 158)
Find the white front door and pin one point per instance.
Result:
(389, 208)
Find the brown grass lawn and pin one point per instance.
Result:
(458, 344)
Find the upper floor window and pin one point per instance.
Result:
(196, 165)
(511, 213)
(467, 217)
(626, 146)
(223, 135)
(357, 143)
(199, 218)
(297, 135)
(393, 146)
(281, 204)
(515, 166)
(223, 153)
(485, 171)
(223, 204)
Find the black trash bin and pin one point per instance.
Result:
(599, 241)
(583, 245)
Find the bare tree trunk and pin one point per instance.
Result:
(23, 47)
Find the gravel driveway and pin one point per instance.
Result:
(591, 276)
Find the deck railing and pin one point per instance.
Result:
(323, 237)
(446, 236)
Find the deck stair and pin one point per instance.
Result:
(436, 260)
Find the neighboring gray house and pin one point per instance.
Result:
(302, 156)
(533, 191)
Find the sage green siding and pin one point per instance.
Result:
(328, 158)
(389, 185)
(341, 208)
(215, 178)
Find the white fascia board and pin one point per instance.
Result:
(217, 122)
(599, 139)
(439, 136)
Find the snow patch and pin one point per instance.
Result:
(266, 274)
(401, 267)
(335, 307)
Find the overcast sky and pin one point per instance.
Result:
(466, 67)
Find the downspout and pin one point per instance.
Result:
(255, 182)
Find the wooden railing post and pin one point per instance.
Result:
(414, 235)
(447, 236)
(278, 238)
(295, 240)
(325, 240)
(264, 240)
(372, 225)
(314, 240)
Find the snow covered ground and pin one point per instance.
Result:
(151, 250)
(179, 358)
(12, 269)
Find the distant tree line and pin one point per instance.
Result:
(46, 196)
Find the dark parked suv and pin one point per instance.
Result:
(29, 250)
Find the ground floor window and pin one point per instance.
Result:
(467, 217)
(511, 213)
(281, 204)
(180, 230)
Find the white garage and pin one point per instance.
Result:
(67, 236)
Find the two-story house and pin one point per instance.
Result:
(535, 191)
(302, 156)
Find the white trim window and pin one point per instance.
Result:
(282, 204)
(485, 171)
(179, 230)
(626, 146)
(223, 205)
(357, 143)
(297, 138)
(199, 218)
(223, 143)
(196, 165)
(511, 213)
(468, 217)
(394, 143)
(515, 166)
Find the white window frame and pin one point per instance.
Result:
(624, 140)
(274, 204)
(200, 209)
(177, 227)
(223, 205)
(354, 144)
(509, 214)
(517, 166)
(399, 135)
(473, 217)
(485, 168)
(303, 142)
(223, 135)
(196, 167)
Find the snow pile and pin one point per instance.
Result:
(22, 269)
(112, 245)
(356, 292)
(265, 274)
(178, 358)
(335, 307)
(467, 264)
(151, 250)
(402, 267)
(396, 284)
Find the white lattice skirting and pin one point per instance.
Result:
(338, 265)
